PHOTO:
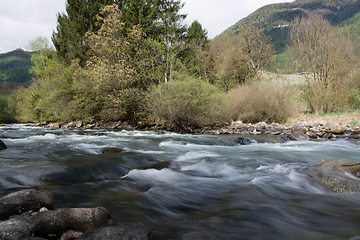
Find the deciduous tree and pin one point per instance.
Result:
(328, 56)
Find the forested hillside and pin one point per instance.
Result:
(14, 67)
(275, 19)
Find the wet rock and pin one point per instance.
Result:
(24, 201)
(48, 224)
(2, 145)
(70, 235)
(111, 150)
(16, 228)
(338, 175)
(133, 231)
(298, 136)
(283, 139)
(243, 141)
(85, 219)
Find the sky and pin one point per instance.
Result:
(21, 21)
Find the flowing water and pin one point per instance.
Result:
(185, 186)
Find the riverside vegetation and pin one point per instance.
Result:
(135, 62)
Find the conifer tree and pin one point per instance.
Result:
(68, 38)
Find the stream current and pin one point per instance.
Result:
(184, 186)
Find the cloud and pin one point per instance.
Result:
(23, 20)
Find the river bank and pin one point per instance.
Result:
(346, 125)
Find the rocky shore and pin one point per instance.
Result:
(298, 131)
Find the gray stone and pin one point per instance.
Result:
(300, 127)
(24, 201)
(298, 136)
(16, 228)
(132, 231)
(85, 219)
(337, 175)
(70, 235)
(48, 224)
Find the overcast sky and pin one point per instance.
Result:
(23, 20)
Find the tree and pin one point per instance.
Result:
(112, 74)
(172, 31)
(255, 45)
(328, 55)
(196, 55)
(42, 54)
(69, 36)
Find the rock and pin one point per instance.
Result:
(300, 127)
(243, 141)
(111, 150)
(54, 125)
(70, 235)
(78, 124)
(298, 136)
(24, 201)
(338, 175)
(338, 129)
(312, 135)
(2, 145)
(85, 219)
(16, 228)
(133, 231)
(69, 125)
(48, 224)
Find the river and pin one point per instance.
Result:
(184, 186)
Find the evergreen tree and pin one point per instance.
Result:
(172, 30)
(196, 55)
(68, 38)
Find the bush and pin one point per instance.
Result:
(187, 104)
(262, 101)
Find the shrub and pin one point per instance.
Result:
(262, 101)
(187, 103)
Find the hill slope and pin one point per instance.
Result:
(14, 66)
(275, 19)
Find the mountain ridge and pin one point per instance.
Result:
(276, 18)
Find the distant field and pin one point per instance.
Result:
(285, 79)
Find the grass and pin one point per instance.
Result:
(343, 118)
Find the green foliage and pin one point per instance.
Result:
(46, 99)
(261, 102)
(187, 103)
(7, 109)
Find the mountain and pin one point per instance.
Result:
(276, 19)
(14, 66)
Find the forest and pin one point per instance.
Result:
(135, 61)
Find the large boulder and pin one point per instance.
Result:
(85, 219)
(2, 145)
(16, 228)
(133, 231)
(24, 201)
(48, 224)
(337, 175)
